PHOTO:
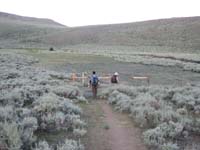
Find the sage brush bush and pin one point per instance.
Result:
(67, 145)
(33, 99)
(166, 113)
(52, 112)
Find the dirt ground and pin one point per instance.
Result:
(110, 130)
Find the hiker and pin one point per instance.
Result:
(114, 78)
(94, 81)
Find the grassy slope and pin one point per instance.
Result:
(20, 32)
(176, 33)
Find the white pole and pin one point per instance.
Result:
(83, 78)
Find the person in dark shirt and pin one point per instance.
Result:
(115, 78)
(94, 81)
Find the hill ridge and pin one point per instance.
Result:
(14, 17)
(176, 33)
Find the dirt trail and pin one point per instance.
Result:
(110, 130)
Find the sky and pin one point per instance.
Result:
(92, 12)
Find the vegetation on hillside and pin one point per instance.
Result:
(25, 32)
(175, 33)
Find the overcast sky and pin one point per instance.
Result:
(89, 12)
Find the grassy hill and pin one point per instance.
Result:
(22, 32)
(17, 31)
(175, 32)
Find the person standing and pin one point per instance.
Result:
(94, 81)
(114, 78)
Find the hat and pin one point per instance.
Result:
(116, 74)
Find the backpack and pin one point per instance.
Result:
(94, 80)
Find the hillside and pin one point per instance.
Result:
(175, 32)
(6, 17)
(25, 32)
(22, 32)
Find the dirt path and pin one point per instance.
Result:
(110, 130)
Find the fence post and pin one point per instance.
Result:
(83, 78)
(73, 76)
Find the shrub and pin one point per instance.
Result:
(67, 145)
(43, 145)
(66, 91)
(11, 135)
(7, 113)
(70, 145)
(52, 112)
(167, 113)
(31, 101)
(79, 132)
(170, 146)
(51, 49)
(161, 134)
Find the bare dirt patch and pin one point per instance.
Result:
(109, 130)
(97, 137)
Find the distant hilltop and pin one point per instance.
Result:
(39, 21)
(18, 31)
